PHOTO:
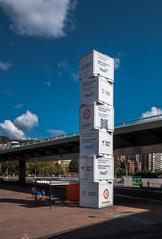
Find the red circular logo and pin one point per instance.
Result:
(106, 193)
(86, 114)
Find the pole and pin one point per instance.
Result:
(50, 194)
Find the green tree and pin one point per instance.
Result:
(9, 168)
(4, 139)
(58, 169)
(44, 168)
(73, 166)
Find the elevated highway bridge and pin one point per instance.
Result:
(136, 137)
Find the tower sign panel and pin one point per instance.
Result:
(97, 116)
(96, 89)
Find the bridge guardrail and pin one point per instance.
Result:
(139, 121)
(43, 140)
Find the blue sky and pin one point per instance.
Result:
(40, 46)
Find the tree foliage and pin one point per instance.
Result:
(44, 168)
(9, 168)
(4, 139)
(73, 166)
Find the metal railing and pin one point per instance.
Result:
(33, 142)
(139, 121)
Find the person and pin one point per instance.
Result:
(141, 184)
(39, 195)
(148, 184)
(43, 194)
(33, 191)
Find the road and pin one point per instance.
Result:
(151, 200)
(151, 194)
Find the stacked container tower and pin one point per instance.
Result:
(96, 130)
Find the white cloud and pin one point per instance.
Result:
(7, 128)
(8, 92)
(74, 76)
(48, 83)
(39, 17)
(18, 106)
(26, 121)
(14, 130)
(116, 63)
(4, 66)
(153, 112)
(64, 66)
(55, 132)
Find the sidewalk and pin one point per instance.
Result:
(21, 219)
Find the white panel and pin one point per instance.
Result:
(89, 91)
(86, 66)
(97, 116)
(103, 65)
(88, 194)
(103, 168)
(104, 117)
(96, 63)
(96, 142)
(96, 168)
(96, 89)
(105, 194)
(87, 117)
(105, 91)
(96, 195)
(86, 168)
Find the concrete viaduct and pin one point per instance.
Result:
(142, 136)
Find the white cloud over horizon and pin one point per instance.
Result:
(4, 66)
(154, 111)
(38, 17)
(26, 121)
(7, 128)
(15, 129)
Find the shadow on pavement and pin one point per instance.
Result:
(128, 225)
(21, 202)
(16, 187)
(33, 203)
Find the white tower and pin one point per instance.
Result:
(96, 130)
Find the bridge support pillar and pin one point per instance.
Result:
(22, 167)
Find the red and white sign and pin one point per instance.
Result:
(106, 193)
(86, 114)
(97, 116)
(96, 195)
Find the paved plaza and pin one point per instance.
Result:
(21, 218)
